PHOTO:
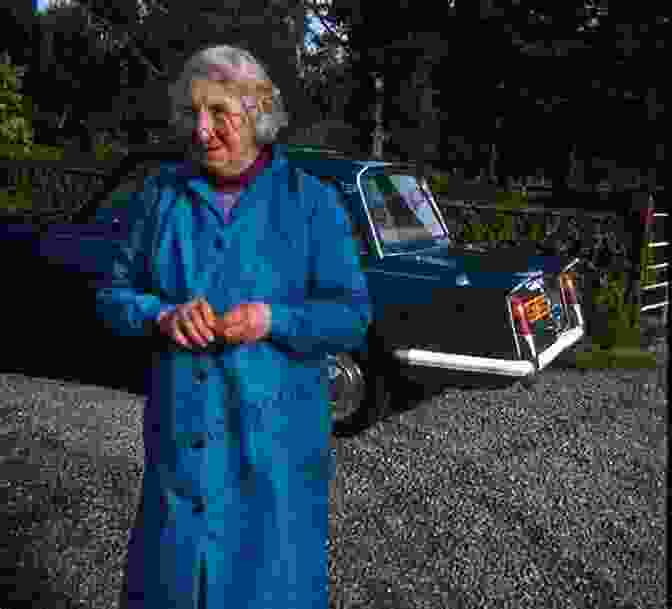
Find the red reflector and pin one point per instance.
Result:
(568, 289)
(520, 314)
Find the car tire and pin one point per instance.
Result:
(377, 398)
(346, 386)
(368, 405)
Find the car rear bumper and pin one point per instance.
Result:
(487, 365)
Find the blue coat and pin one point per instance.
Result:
(237, 438)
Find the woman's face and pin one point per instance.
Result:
(223, 119)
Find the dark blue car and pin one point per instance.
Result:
(455, 312)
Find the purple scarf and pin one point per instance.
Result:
(243, 180)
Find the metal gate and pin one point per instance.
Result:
(655, 284)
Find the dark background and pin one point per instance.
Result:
(570, 90)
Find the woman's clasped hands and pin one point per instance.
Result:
(195, 324)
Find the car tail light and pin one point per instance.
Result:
(520, 316)
(518, 311)
(568, 288)
(569, 291)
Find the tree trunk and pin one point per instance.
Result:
(429, 127)
(378, 132)
(571, 178)
(359, 108)
(298, 28)
(492, 170)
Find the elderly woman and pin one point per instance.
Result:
(246, 271)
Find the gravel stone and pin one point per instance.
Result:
(507, 497)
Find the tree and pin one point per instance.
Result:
(16, 19)
(158, 39)
(326, 77)
(403, 56)
(14, 127)
(568, 70)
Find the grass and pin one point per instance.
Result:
(553, 497)
(616, 357)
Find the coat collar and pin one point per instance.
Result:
(195, 180)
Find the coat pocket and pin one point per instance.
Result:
(290, 427)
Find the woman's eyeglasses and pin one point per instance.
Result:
(220, 116)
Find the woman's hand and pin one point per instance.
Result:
(190, 325)
(245, 323)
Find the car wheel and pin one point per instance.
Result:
(377, 398)
(359, 396)
(346, 386)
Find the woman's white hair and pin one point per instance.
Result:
(225, 58)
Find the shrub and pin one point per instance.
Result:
(14, 127)
(19, 199)
(536, 231)
(17, 152)
(511, 199)
(104, 151)
(623, 319)
(503, 226)
(438, 182)
(647, 258)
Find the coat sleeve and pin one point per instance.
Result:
(123, 300)
(337, 311)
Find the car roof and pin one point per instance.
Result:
(330, 162)
(294, 151)
(317, 160)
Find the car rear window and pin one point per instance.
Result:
(401, 208)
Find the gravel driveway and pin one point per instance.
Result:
(552, 497)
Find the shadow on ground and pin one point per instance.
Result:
(64, 516)
(26, 511)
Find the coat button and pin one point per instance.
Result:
(219, 244)
(201, 375)
(198, 443)
(199, 507)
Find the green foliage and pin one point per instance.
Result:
(17, 199)
(105, 151)
(17, 152)
(438, 182)
(503, 227)
(622, 319)
(474, 232)
(612, 296)
(536, 231)
(629, 357)
(14, 127)
(20, 198)
(647, 258)
(506, 202)
(511, 200)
